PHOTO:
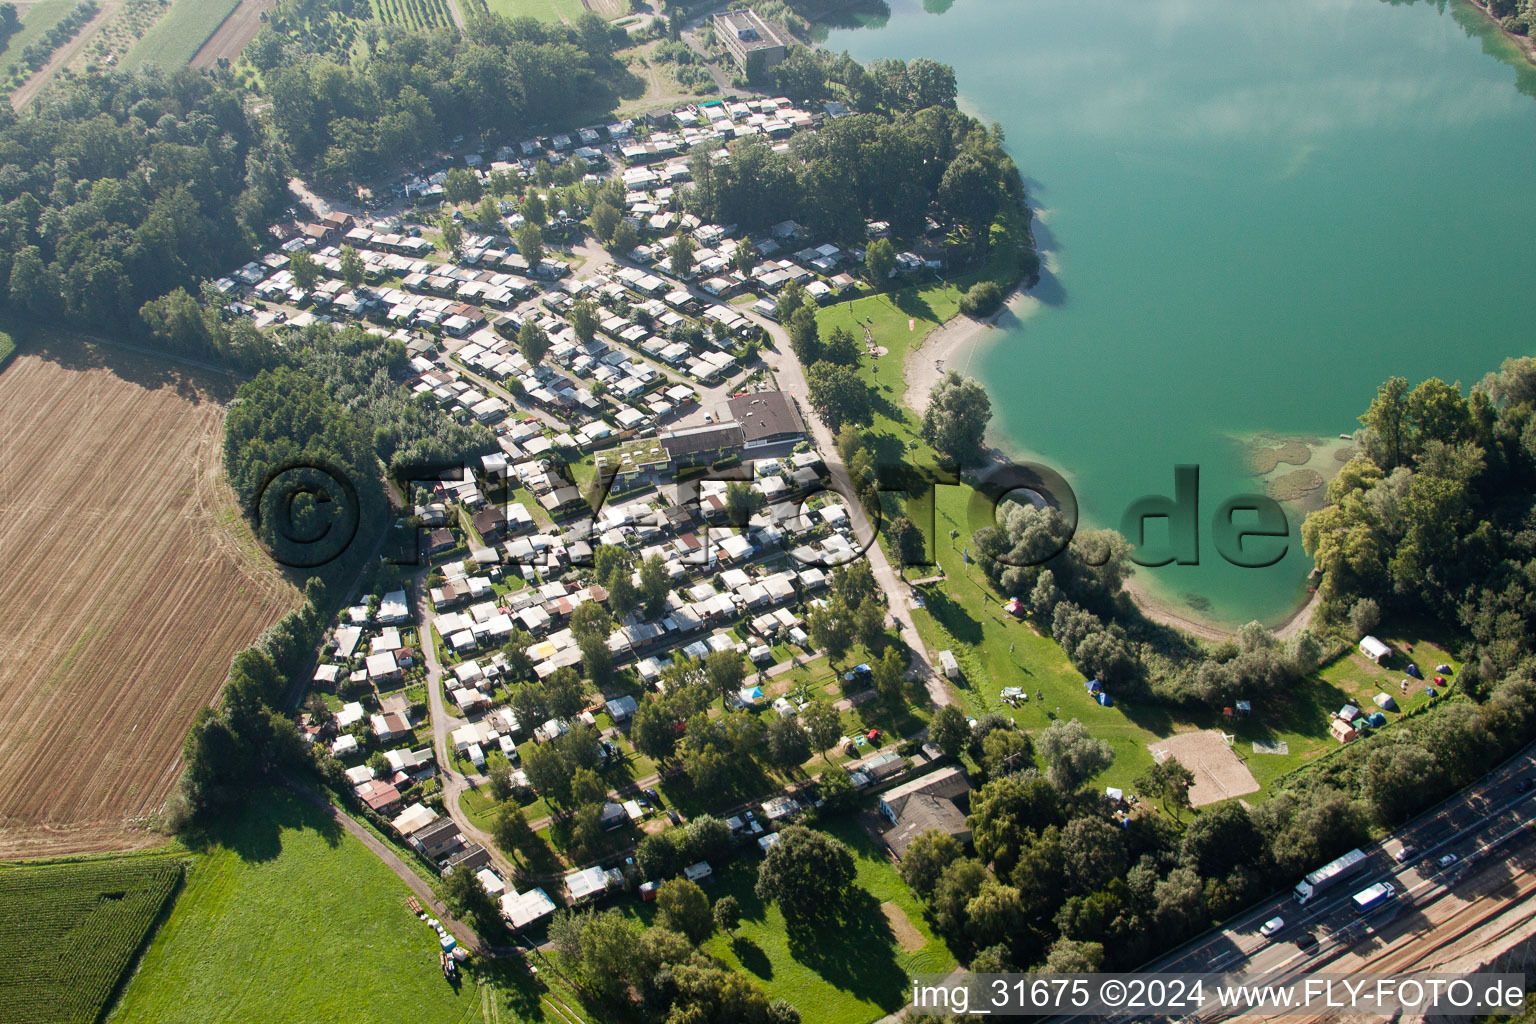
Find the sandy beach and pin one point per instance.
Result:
(953, 344)
(1159, 610)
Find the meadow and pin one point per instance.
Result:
(280, 893)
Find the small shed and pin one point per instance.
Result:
(948, 663)
(698, 872)
(1374, 649)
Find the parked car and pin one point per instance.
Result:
(1272, 927)
(673, 816)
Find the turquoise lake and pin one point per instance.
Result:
(1253, 213)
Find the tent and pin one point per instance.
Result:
(1385, 702)
(1413, 670)
(1093, 686)
(1103, 699)
(1014, 607)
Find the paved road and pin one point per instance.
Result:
(454, 784)
(1483, 827)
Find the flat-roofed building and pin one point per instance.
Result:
(750, 39)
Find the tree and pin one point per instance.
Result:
(605, 220)
(823, 724)
(889, 677)
(682, 906)
(1094, 851)
(926, 858)
(804, 335)
(981, 299)
(830, 629)
(304, 270)
(808, 874)
(461, 186)
(1069, 957)
(1364, 616)
(879, 262)
(625, 238)
(1387, 422)
(743, 258)
(837, 394)
(1004, 751)
(587, 788)
(956, 419)
(549, 773)
(1007, 813)
(453, 236)
(532, 342)
(512, 832)
(727, 913)
(1168, 780)
(680, 255)
(467, 900)
(907, 542)
(655, 584)
(584, 319)
(840, 348)
(725, 671)
(498, 777)
(1072, 757)
(788, 745)
(351, 266)
(949, 729)
(958, 884)
(488, 215)
(530, 243)
(534, 211)
(741, 502)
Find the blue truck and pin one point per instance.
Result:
(1374, 898)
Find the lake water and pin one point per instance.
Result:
(1254, 213)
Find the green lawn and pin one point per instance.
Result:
(544, 10)
(851, 974)
(176, 37)
(36, 19)
(287, 918)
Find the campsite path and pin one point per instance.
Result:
(454, 783)
(791, 378)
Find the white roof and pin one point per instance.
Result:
(588, 882)
(522, 909)
(1374, 647)
(414, 818)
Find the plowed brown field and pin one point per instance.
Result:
(129, 582)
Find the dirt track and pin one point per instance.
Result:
(233, 34)
(130, 582)
(25, 93)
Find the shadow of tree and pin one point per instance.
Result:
(853, 948)
(952, 616)
(253, 830)
(752, 957)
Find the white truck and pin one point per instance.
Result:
(1329, 875)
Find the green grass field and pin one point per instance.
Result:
(7, 348)
(175, 38)
(849, 975)
(544, 10)
(36, 19)
(287, 918)
(70, 930)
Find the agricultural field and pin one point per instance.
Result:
(131, 582)
(283, 895)
(120, 33)
(414, 14)
(180, 33)
(69, 932)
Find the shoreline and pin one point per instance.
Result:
(1526, 45)
(952, 346)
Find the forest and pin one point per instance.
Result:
(124, 186)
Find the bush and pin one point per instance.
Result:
(982, 299)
